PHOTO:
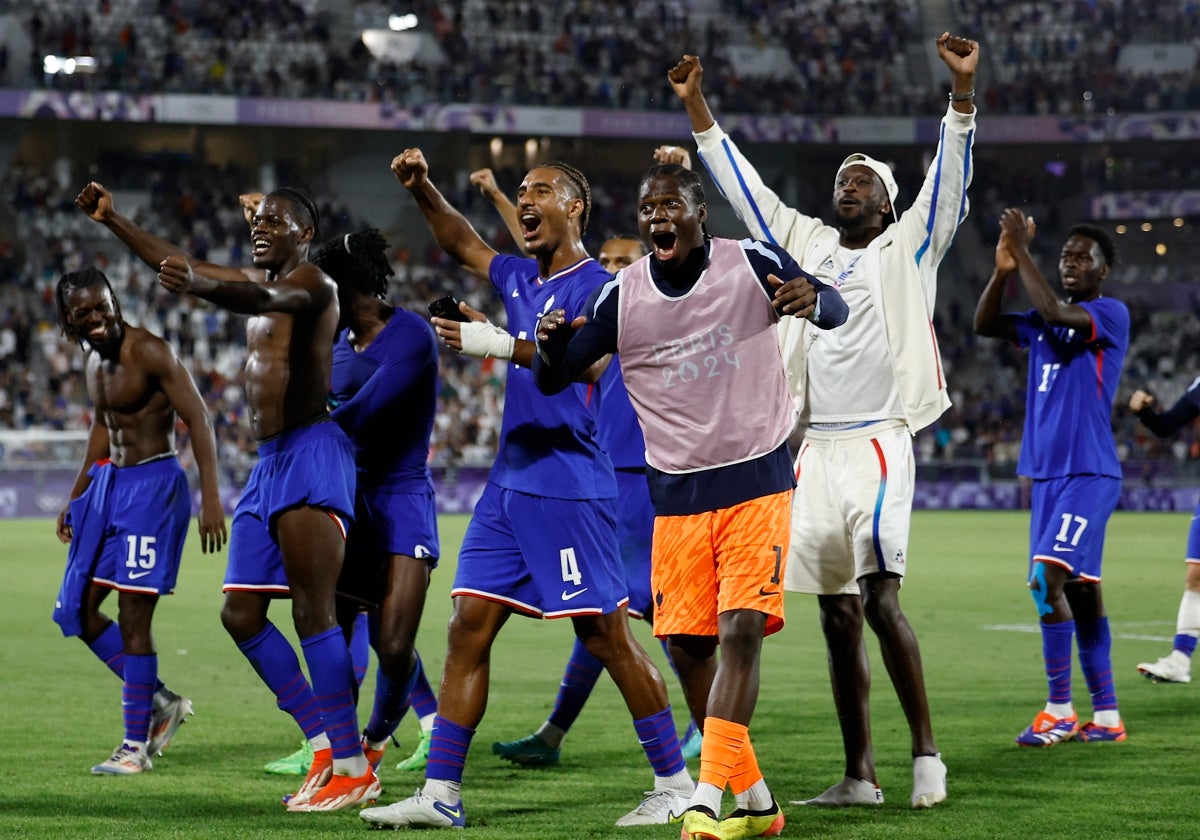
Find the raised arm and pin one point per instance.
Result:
(1165, 423)
(450, 228)
(1020, 231)
(159, 359)
(95, 200)
(989, 319)
(485, 179)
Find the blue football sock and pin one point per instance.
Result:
(657, 736)
(422, 698)
(1056, 650)
(360, 647)
(580, 676)
(448, 751)
(328, 661)
(137, 696)
(1095, 659)
(276, 664)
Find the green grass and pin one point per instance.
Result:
(60, 711)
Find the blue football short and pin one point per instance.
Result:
(635, 534)
(1193, 543)
(308, 466)
(1068, 519)
(387, 522)
(149, 508)
(548, 558)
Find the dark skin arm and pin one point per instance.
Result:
(454, 234)
(304, 289)
(1019, 230)
(95, 200)
(485, 179)
(97, 448)
(160, 360)
(989, 319)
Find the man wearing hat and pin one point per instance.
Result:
(863, 391)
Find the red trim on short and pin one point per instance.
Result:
(340, 522)
(803, 449)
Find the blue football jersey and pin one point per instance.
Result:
(386, 399)
(620, 434)
(548, 445)
(1069, 397)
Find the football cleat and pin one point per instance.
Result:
(1168, 669)
(420, 756)
(743, 824)
(341, 792)
(296, 764)
(660, 807)
(929, 781)
(846, 793)
(373, 756)
(1047, 730)
(1092, 731)
(699, 824)
(530, 751)
(125, 761)
(419, 810)
(318, 776)
(170, 712)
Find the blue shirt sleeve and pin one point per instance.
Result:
(767, 258)
(406, 358)
(561, 360)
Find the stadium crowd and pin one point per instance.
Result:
(809, 58)
(41, 385)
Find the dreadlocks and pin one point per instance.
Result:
(81, 279)
(357, 261)
(581, 187)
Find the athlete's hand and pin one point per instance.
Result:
(485, 179)
(451, 331)
(212, 524)
(554, 332)
(96, 201)
(250, 202)
(961, 55)
(1140, 399)
(410, 168)
(1018, 228)
(673, 154)
(685, 76)
(63, 528)
(797, 297)
(175, 275)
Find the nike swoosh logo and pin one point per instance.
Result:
(568, 597)
(764, 593)
(136, 575)
(455, 813)
(516, 293)
(1063, 548)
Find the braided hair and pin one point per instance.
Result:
(357, 262)
(580, 182)
(300, 200)
(82, 279)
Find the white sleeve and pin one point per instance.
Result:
(760, 209)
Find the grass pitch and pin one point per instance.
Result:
(965, 596)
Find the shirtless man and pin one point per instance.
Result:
(130, 506)
(289, 528)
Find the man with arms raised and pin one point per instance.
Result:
(289, 528)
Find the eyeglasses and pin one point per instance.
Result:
(859, 181)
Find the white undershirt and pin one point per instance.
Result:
(849, 370)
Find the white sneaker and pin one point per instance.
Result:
(846, 793)
(660, 807)
(419, 810)
(929, 781)
(1172, 668)
(125, 761)
(170, 712)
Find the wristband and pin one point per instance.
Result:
(484, 340)
(962, 97)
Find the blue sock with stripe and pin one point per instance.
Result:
(109, 648)
(390, 706)
(448, 751)
(657, 736)
(1185, 643)
(1095, 659)
(137, 696)
(578, 680)
(332, 672)
(1056, 650)
(360, 647)
(275, 662)
(422, 698)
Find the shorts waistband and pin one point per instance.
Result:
(321, 426)
(165, 464)
(826, 435)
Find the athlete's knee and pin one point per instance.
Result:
(841, 614)
(241, 619)
(741, 634)
(396, 657)
(1039, 588)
